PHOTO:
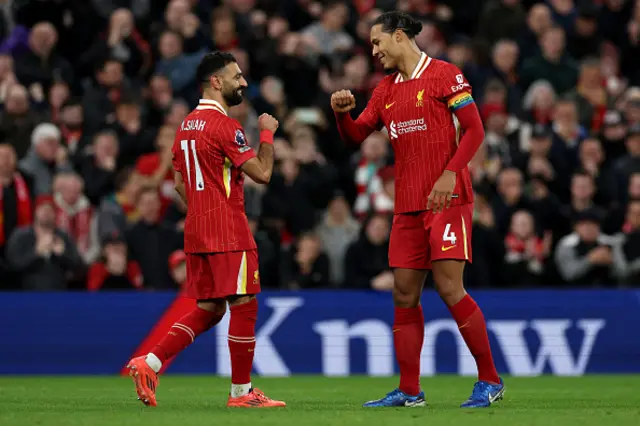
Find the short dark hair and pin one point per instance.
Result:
(71, 102)
(101, 65)
(122, 177)
(394, 20)
(211, 64)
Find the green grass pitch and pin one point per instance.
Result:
(200, 400)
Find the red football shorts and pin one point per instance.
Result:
(420, 237)
(219, 275)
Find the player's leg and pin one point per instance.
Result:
(408, 255)
(208, 312)
(451, 249)
(240, 271)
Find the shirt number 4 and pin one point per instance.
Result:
(448, 235)
(185, 145)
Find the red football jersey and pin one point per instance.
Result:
(419, 117)
(208, 150)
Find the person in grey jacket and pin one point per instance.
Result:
(585, 256)
(44, 257)
(45, 157)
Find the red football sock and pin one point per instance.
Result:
(473, 328)
(242, 340)
(184, 332)
(408, 335)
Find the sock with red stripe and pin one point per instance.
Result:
(181, 335)
(242, 343)
(473, 328)
(408, 335)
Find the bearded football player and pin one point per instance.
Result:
(210, 158)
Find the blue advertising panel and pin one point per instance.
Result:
(332, 333)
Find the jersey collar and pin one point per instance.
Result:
(210, 104)
(423, 63)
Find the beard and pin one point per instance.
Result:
(233, 97)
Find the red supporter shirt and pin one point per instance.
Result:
(419, 117)
(208, 150)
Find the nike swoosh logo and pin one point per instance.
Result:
(447, 248)
(387, 106)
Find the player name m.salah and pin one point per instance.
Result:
(193, 125)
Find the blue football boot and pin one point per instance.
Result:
(397, 398)
(484, 394)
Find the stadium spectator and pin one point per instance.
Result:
(626, 255)
(18, 119)
(151, 242)
(70, 119)
(179, 18)
(16, 205)
(100, 99)
(585, 257)
(58, 94)
(159, 96)
(504, 59)
(501, 19)
(156, 167)
(118, 209)
(591, 97)
(627, 164)
(45, 157)
(552, 64)
(372, 157)
(538, 22)
(582, 198)
(123, 42)
(42, 65)
(114, 270)
(367, 259)
(538, 103)
(43, 255)
(98, 166)
(584, 40)
(488, 249)
(327, 36)
(613, 133)
(337, 231)
(178, 66)
(75, 215)
(525, 252)
(308, 266)
(510, 198)
(591, 158)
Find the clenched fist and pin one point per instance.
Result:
(267, 122)
(343, 101)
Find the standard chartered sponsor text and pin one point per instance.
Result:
(410, 126)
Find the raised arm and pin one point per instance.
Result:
(355, 131)
(258, 167)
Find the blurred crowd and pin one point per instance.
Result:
(91, 92)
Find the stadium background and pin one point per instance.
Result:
(92, 92)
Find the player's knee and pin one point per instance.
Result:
(405, 298)
(240, 300)
(217, 306)
(450, 289)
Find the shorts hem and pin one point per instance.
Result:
(420, 267)
(222, 295)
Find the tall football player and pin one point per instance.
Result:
(210, 158)
(435, 129)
